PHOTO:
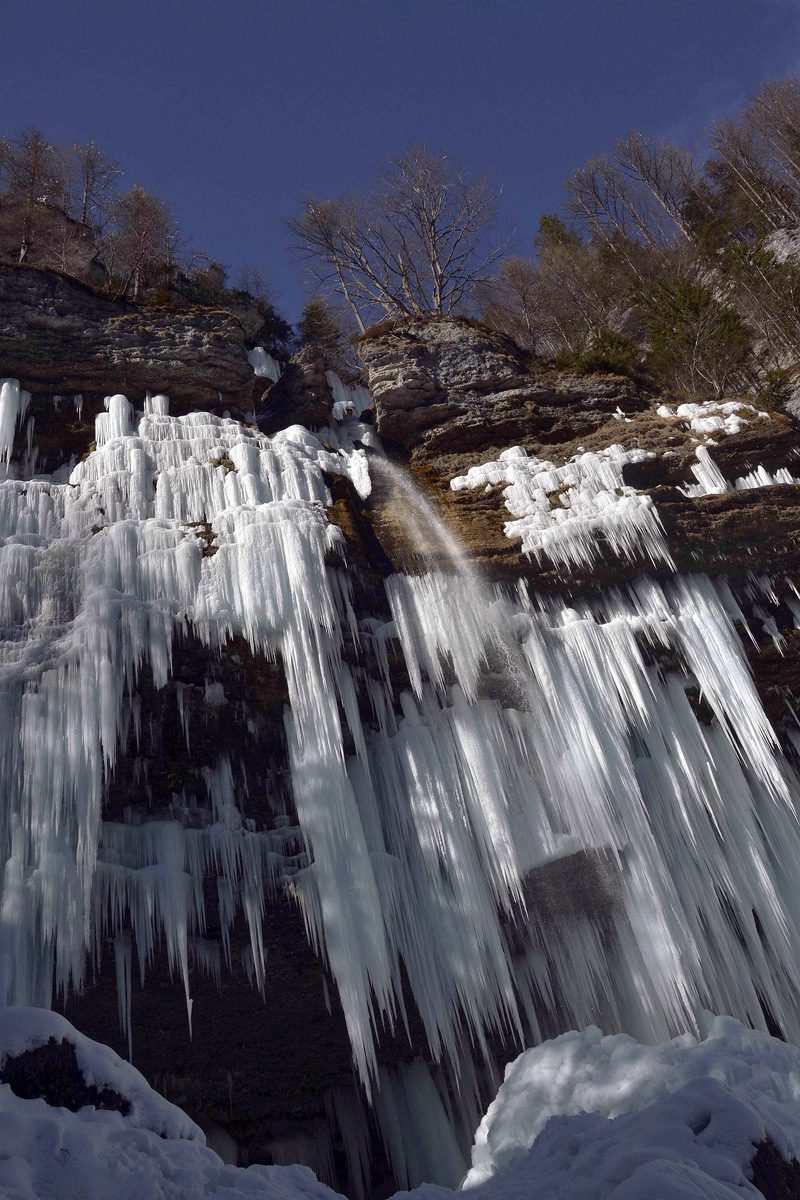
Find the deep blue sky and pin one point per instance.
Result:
(235, 109)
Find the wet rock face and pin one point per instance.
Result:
(772, 1175)
(61, 338)
(258, 1066)
(447, 388)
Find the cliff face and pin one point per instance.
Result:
(452, 396)
(63, 339)
(301, 396)
(448, 390)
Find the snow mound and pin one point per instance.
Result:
(582, 1117)
(23, 1029)
(588, 1117)
(153, 1153)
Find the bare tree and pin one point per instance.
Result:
(254, 282)
(96, 175)
(32, 169)
(5, 154)
(518, 301)
(667, 175)
(756, 159)
(143, 239)
(415, 243)
(635, 196)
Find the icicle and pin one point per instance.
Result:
(347, 401)
(540, 741)
(710, 480)
(122, 960)
(13, 406)
(264, 364)
(593, 500)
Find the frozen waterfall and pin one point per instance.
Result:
(543, 830)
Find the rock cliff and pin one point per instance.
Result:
(65, 340)
(451, 395)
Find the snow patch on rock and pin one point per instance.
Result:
(740, 1084)
(592, 503)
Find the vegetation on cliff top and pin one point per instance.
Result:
(687, 267)
(662, 263)
(63, 207)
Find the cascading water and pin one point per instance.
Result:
(539, 833)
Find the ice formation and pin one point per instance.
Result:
(572, 514)
(538, 737)
(347, 401)
(713, 416)
(98, 575)
(711, 481)
(14, 403)
(263, 364)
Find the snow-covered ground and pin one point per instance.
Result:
(582, 1117)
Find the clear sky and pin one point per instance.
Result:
(236, 109)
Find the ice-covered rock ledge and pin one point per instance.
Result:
(560, 511)
(582, 1117)
(575, 514)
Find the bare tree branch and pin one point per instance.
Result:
(415, 243)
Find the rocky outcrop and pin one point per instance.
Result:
(47, 237)
(59, 336)
(52, 1072)
(451, 395)
(302, 395)
(447, 390)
